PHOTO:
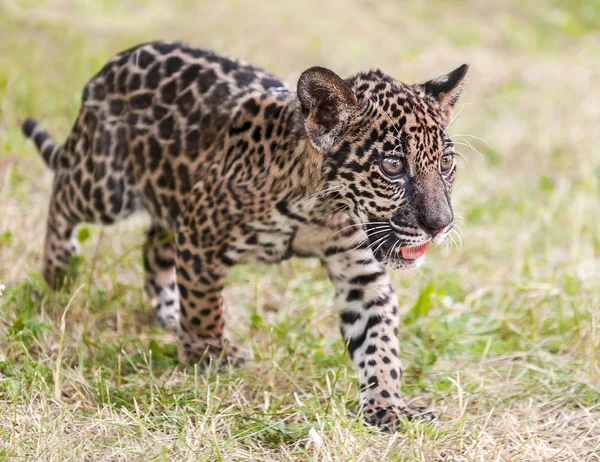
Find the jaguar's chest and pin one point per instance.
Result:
(276, 239)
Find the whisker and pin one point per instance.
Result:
(471, 136)
(458, 236)
(380, 245)
(370, 234)
(317, 194)
(470, 146)
(456, 115)
(446, 244)
(378, 232)
(353, 236)
(460, 154)
(328, 201)
(377, 241)
(331, 212)
(391, 251)
(335, 211)
(459, 220)
(451, 236)
(359, 243)
(380, 223)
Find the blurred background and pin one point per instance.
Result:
(500, 331)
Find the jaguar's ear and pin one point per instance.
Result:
(446, 89)
(327, 102)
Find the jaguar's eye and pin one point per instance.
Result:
(392, 166)
(446, 163)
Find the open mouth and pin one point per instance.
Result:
(412, 253)
(388, 247)
(390, 252)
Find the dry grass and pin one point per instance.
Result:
(501, 335)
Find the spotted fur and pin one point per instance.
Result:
(234, 167)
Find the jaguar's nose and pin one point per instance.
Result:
(433, 230)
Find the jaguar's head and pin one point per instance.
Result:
(386, 155)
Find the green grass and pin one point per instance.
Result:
(500, 335)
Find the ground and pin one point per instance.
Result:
(500, 333)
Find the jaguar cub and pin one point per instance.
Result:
(234, 167)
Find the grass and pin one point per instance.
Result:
(501, 335)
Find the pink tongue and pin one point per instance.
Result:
(412, 253)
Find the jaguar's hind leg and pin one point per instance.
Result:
(160, 283)
(61, 243)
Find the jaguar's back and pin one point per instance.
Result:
(167, 106)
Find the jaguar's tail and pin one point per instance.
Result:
(50, 151)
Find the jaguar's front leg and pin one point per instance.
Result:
(369, 323)
(200, 279)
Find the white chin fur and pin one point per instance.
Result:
(405, 264)
(441, 237)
